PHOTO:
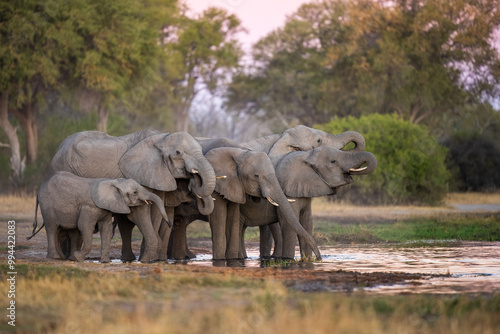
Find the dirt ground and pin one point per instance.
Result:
(300, 276)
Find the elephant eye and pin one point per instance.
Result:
(256, 176)
(333, 161)
(135, 192)
(177, 152)
(319, 140)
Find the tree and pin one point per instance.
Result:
(103, 49)
(200, 54)
(421, 59)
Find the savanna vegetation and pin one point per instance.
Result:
(181, 299)
(120, 67)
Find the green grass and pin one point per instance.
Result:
(416, 229)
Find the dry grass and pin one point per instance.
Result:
(18, 206)
(179, 301)
(473, 198)
(322, 207)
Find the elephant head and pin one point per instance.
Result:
(157, 161)
(118, 195)
(303, 138)
(252, 173)
(320, 171)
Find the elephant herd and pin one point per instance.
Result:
(161, 182)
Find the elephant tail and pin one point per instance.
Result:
(35, 223)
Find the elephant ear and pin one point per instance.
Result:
(224, 164)
(298, 176)
(145, 164)
(107, 196)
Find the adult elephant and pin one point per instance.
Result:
(303, 175)
(303, 138)
(299, 138)
(248, 174)
(151, 158)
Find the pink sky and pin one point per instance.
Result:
(259, 17)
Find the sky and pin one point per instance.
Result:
(259, 17)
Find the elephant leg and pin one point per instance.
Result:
(52, 236)
(63, 243)
(233, 231)
(217, 222)
(178, 244)
(306, 220)
(106, 229)
(86, 226)
(75, 242)
(266, 242)
(125, 226)
(141, 216)
(243, 252)
(278, 240)
(289, 235)
(165, 232)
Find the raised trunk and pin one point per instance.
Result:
(342, 139)
(356, 161)
(16, 164)
(288, 213)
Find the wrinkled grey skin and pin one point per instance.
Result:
(303, 138)
(247, 174)
(303, 175)
(299, 138)
(153, 159)
(190, 210)
(69, 202)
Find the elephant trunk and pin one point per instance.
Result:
(342, 139)
(203, 175)
(205, 205)
(288, 213)
(159, 203)
(356, 161)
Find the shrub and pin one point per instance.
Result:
(411, 165)
(477, 160)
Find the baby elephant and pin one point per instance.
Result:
(71, 202)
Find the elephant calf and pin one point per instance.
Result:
(70, 202)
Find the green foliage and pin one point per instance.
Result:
(476, 157)
(421, 59)
(411, 164)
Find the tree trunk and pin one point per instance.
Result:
(182, 119)
(26, 116)
(102, 118)
(16, 164)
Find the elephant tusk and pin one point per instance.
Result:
(198, 196)
(291, 200)
(221, 177)
(358, 169)
(194, 171)
(213, 198)
(272, 202)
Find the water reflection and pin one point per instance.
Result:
(472, 267)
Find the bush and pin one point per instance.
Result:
(477, 160)
(411, 165)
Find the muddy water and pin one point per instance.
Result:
(467, 267)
